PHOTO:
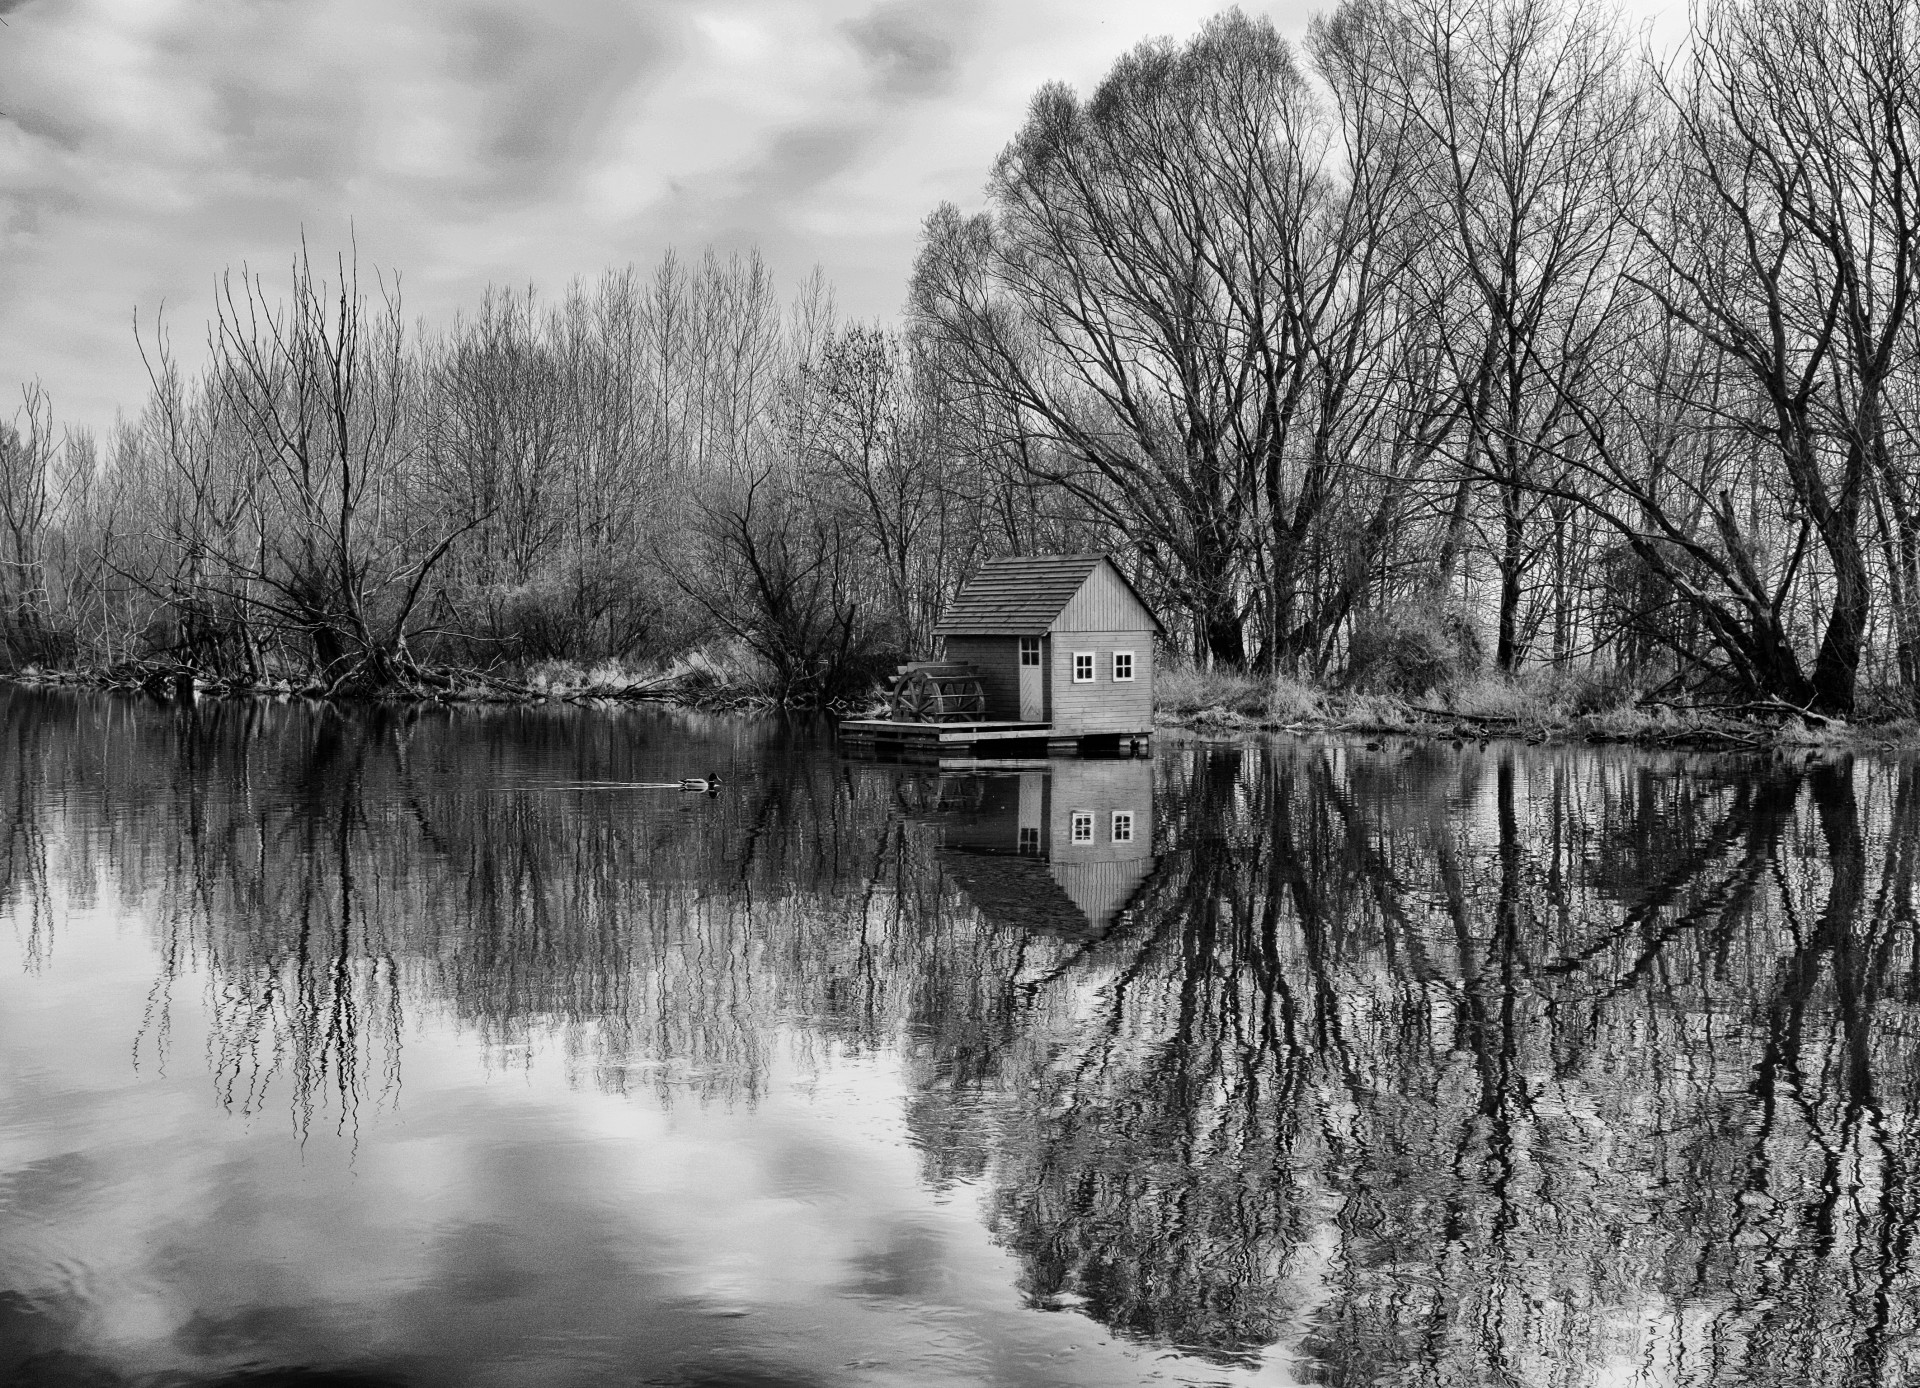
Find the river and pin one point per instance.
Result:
(436, 1046)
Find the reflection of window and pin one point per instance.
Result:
(1123, 826)
(1082, 827)
(1029, 839)
(1029, 650)
(1083, 667)
(1123, 665)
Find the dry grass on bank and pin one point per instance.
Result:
(722, 676)
(1595, 706)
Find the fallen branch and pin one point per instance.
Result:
(1775, 707)
(1467, 717)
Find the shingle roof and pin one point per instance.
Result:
(1019, 594)
(1014, 892)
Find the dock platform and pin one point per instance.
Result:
(991, 738)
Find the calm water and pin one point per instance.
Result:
(438, 1048)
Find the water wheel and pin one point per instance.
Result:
(937, 691)
(936, 794)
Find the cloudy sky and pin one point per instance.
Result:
(145, 144)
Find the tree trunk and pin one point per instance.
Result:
(1836, 671)
(1225, 639)
(1506, 654)
(1907, 612)
(1453, 545)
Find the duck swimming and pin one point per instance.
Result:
(709, 782)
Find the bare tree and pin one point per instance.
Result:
(29, 450)
(777, 569)
(313, 394)
(1523, 131)
(884, 440)
(1785, 236)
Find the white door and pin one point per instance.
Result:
(1033, 813)
(1033, 689)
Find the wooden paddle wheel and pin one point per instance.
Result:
(936, 794)
(937, 691)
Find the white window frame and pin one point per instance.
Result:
(1117, 676)
(1026, 650)
(1122, 828)
(1093, 666)
(1081, 826)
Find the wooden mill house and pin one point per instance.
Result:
(1054, 648)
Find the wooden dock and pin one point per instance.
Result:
(967, 739)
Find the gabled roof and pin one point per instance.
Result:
(1027, 893)
(1022, 594)
(1014, 891)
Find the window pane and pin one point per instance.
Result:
(1123, 665)
(1029, 650)
(1123, 826)
(1082, 666)
(1082, 827)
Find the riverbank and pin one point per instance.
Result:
(692, 682)
(1207, 705)
(1546, 708)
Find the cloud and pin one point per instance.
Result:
(906, 45)
(146, 144)
(150, 143)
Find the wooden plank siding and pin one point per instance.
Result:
(997, 658)
(1103, 890)
(1104, 602)
(1099, 788)
(1105, 705)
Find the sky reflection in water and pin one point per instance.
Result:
(409, 1047)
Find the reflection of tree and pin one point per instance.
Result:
(1419, 1074)
(320, 867)
(1435, 1068)
(24, 892)
(1162, 1185)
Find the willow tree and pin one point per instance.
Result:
(1164, 294)
(1784, 237)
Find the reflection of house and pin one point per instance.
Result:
(1063, 849)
